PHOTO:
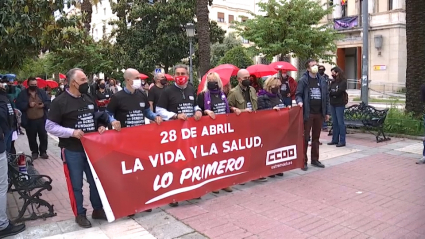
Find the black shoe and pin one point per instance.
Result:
(317, 163)
(11, 230)
(174, 204)
(340, 145)
(82, 221)
(34, 156)
(131, 215)
(332, 143)
(272, 176)
(99, 214)
(44, 156)
(305, 168)
(149, 210)
(280, 174)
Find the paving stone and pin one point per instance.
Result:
(194, 235)
(170, 230)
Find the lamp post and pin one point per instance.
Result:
(190, 32)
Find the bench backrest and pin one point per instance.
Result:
(369, 115)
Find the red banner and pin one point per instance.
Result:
(149, 166)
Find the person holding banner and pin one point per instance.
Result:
(312, 95)
(178, 101)
(243, 98)
(71, 115)
(156, 90)
(212, 100)
(130, 106)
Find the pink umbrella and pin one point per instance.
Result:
(261, 70)
(224, 71)
(283, 66)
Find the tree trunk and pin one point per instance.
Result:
(87, 10)
(415, 39)
(203, 31)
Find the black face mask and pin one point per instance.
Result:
(321, 72)
(163, 81)
(246, 83)
(102, 86)
(83, 88)
(212, 85)
(32, 88)
(274, 90)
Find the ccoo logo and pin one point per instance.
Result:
(280, 155)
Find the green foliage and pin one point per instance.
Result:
(239, 57)
(400, 122)
(291, 27)
(23, 25)
(34, 67)
(153, 35)
(218, 50)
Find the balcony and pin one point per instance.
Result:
(387, 19)
(347, 23)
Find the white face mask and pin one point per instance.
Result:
(62, 86)
(136, 84)
(314, 69)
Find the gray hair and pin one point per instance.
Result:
(155, 77)
(180, 66)
(71, 74)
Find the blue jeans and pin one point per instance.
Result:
(338, 125)
(77, 164)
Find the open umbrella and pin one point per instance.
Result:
(169, 77)
(261, 70)
(143, 76)
(283, 66)
(224, 71)
(40, 83)
(62, 76)
(52, 84)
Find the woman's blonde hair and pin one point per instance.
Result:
(271, 82)
(213, 76)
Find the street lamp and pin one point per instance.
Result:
(190, 32)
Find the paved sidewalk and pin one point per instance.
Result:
(367, 190)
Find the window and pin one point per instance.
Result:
(344, 10)
(220, 17)
(390, 5)
(244, 19)
(104, 30)
(104, 11)
(231, 18)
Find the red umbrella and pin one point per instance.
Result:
(224, 71)
(283, 66)
(62, 76)
(40, 83)
(261, 70)
(143, 76)
(52, 84)
(169, 77)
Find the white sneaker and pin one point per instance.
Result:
(421, 161)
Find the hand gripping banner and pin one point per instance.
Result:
(148, 166)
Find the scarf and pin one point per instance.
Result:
(269, 94)
(207, 99)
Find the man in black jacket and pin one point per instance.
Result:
(34, 104)
(6, 110)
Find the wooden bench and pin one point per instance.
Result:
(361, 116)
(29, 187)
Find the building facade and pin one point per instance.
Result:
(387, 42)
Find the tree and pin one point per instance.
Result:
(291, 27)
(238, 57)
(23, 25)
(218, 50)
(34, 67)
(415, 40)
(203, 35)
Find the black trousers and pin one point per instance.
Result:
(34, 128)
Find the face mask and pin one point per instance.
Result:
(62, 86)
(83, 88)
(32, 88)
(246, 83)
(163, 81)
(314, 69)
(212, 85)
(136, 84)
(143, 83)
(274, 90)
(321, 72)
(102, 86)
(181, 80)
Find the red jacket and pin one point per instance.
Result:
(292, 86)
